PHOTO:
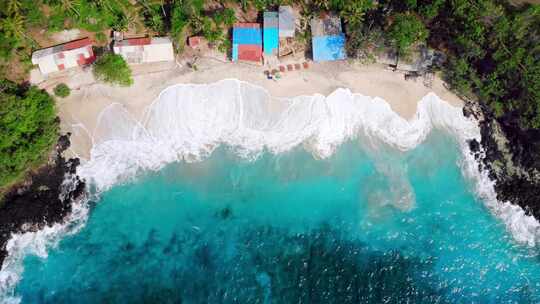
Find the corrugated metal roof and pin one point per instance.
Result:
(77, 44)
(270, 33)
(247, 35)
(247, 25)
(249, 52)
(286, 21)
(326, 26)
(271, 40)
(329, 48)
(270, 19)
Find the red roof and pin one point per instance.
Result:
(139, 41)
(249, 52)
(247, 25)
(84, 61)
(194, 41)
(77, 44)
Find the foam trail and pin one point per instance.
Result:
(187, 122)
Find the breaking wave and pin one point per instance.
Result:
(187, 122)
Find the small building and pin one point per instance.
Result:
(420, 59)
(247, 42)
(64, 56)
(194, 41)
(270, 33)
(328, 41)
(145, 50)
(287, 22)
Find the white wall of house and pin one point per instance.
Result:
(160, 49)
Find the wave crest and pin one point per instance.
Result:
(188, 121)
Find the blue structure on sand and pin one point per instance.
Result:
(328, 41)
(270, 33)
(329, 48)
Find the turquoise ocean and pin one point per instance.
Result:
(289, 228)
(367, 224)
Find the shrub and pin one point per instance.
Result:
(62, 90)
(101, 38)
(113, 69)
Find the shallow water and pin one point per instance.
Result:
(367, 225)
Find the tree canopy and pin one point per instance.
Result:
(28, 128)
(406, 30)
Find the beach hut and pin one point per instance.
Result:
(145, 50)
(328, 41)
(64, 56)
(270, 33)
(247, 42)
(286, 22)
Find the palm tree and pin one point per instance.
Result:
(133, 19)
(13, 27)
(13, 7)
(69, 5)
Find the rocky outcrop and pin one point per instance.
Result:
(43, 199)
(511, 156)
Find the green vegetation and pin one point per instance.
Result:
(28, 129)
(113, 69)
(405, 31)
(493, 48)
(61, 90)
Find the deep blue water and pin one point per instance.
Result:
(368, 225)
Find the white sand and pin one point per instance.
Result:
(80, 111)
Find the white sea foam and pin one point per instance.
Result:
(187, 122)
(38, 243)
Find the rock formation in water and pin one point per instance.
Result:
(511, 156)
(43, 199)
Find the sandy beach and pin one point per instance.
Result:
(80, 111)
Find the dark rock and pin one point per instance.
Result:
(36, 202)
(511, 155)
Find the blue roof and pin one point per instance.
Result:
(247, 36)
(235, 52)
(329, 48)
(271, 40)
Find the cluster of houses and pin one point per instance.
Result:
(252, 44)
(79, 53)
(249, 43)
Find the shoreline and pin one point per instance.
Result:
(80, 112)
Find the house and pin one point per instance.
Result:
(286, 22)
(247, 42)
(420, 59)
(270, 33)
(328, 40)
(64, 56)
(145, 50)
